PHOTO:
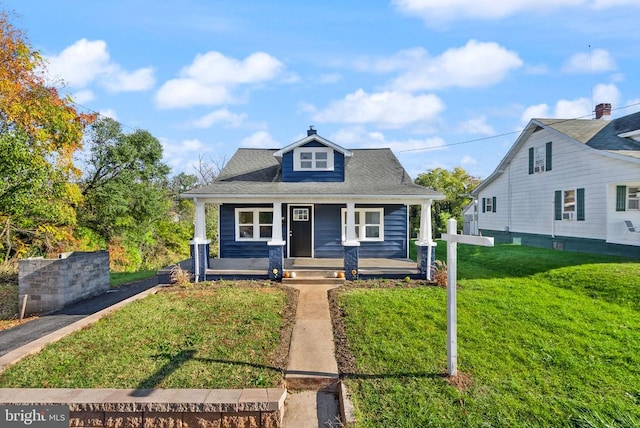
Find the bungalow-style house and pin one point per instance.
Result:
(571, 184)
(313, 199)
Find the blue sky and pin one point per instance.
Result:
(442, 83)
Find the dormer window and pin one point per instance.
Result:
(313, 159)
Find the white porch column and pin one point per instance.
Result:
(200, 244)
(425, 235)
(350, 238)
(200, 234)
(276, 225)
(425, 241)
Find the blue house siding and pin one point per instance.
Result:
(229, 247)
(328, 236)
(328, 233)
(395, 235)
(289, 175)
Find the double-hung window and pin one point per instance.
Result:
(369, 224)
(570, 204)
(627, 198)
(633, 198)
(540, 158)
(254, 224)
(313, 159)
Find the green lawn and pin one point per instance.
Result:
(218, 336)
(548, 338)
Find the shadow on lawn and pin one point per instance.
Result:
(509, 261)
(424, 375)
(145, 387)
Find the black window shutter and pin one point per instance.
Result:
(484, 204)
(494, 204)
(530, 160)
(558, 205)
(621, 198)
(580, 202)
(547, 166)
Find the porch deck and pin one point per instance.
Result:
(257, 268)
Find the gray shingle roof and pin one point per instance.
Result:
(369, 172)
(598, 134)
(601, 134)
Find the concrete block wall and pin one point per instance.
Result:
(54, 283)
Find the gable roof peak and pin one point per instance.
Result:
(312, 135)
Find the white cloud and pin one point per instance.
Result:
(259, 139)
(86, 62)
(359, 137)
(330, 78)
(402, 60)
(477, 64)
(437, 12)
(385, 109)
(83, 96)
(602, 4)
(179, 155)
(477, 126)
(595, 61)
(220, 116)
(606, 94)
(579, 108)
(468, 160)
(109, 113)
(123, 81)
(211, 77)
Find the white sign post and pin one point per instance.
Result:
(452, 239)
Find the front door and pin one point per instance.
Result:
(300, 218)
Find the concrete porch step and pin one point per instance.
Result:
(313, 273)
(313, 281)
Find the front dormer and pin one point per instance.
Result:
(313, 159)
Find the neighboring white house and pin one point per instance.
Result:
(569, 184)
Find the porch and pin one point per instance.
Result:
(258, 268)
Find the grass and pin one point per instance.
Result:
(222, 336)
(117, 279)
(546, 338)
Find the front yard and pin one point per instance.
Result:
(545, 338)
(222, 335)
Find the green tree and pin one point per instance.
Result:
(125, 191)
(456, 186)
(39, 134)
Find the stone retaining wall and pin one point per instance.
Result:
(180, 408)
(54, 283)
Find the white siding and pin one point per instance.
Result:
(525, 201)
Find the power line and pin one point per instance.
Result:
(475, 140)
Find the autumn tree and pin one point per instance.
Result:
(39, 133)
(456, 186)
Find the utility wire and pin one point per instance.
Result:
(505, 133)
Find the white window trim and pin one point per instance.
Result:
(488, 205)
(570, 215)
(256, 223)
(297, 163)
(636, 198)
(362, 228)
(539, 159)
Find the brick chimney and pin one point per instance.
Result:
(311, 131)
(603, 111)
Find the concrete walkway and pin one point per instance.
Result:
(312, 372)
